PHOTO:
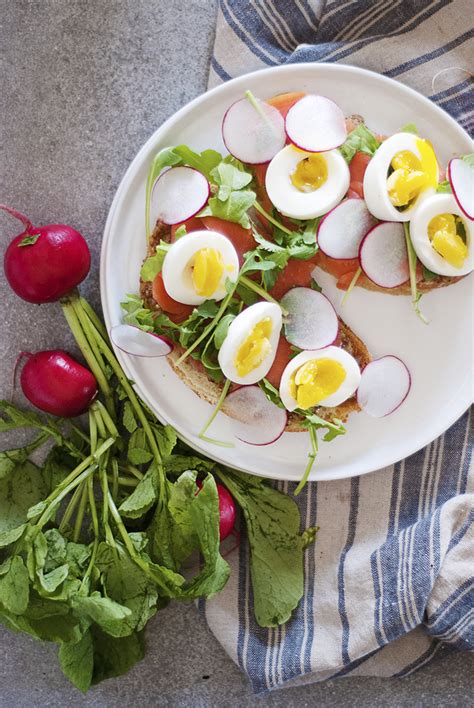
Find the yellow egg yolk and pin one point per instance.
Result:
(442, 232)
(255, 348)
(208, 268)
(412, 174)
(315, 381)
(310, 174)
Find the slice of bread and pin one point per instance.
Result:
(194, 374)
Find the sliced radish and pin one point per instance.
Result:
(383, 255)
(178, 194)
(258, 421)
(137, 342)
(253, 131)
(341, 231)
(384, 385)
(312, 322)
(316, 124)
(461, 179)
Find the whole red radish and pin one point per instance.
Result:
(44, 263)
(56, 383)
(226, 510)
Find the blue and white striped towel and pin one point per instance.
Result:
(389, 579)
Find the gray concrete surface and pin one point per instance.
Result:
(84, 84)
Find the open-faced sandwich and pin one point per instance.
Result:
(227, 287)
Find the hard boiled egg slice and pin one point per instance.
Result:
(249, 348)
(442, 236)
(304, 185)
(197, 266)
(326, 377)
(402, 172)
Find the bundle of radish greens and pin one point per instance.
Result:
(95, 540)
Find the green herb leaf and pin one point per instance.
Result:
(143, 496)
(18, 493)
(276, 547)
(29, 240)
(136, 314)
(220, 333)
(444, 187)
(180, 231)
(76, 660)
(230, 176)
(114, 656)
(428, 274)
(361, 139)
(469, 159)
(108, 614)
(412, 261)
(233, 209)
(153, 265)
(409, 128)
(14, 586)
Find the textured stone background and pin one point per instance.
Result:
(84, 84)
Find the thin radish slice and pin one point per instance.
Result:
(137, 342)
(258, 421)
(316, 124)
(384, 385)
(341, 231)
(383, 255)
(178, 194)
(312, 322)
(461, 179)
(253, 131)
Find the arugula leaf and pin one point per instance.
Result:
(276, 547)
(137, 314)
(76, 660)
(444, 187)
(361, 139)
(233, 209)
(180, 231)
(229, 175)
(9, 459)
(428, 274)
(172, 157)
(333, 428)
(469, 159)
(154, 264)
(271, 392)
(409, 128)
(220, 333)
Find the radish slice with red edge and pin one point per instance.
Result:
(461, 179)
(384, 385)
(316, 124)
(341, 231)
(253, 131)
(135, 341)
(383, 255)
(257, 421)
(178, 194)
(311, 322)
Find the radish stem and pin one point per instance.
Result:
(251, 285)
(216, 409)
(311, 458)
(352, 284)
(70, 509)
(80, 512)
(87, 352)
(415, 295)
(98, 324)
(255, 104)
(272, 220)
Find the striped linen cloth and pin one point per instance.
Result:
(389, 579)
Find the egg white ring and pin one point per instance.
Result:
(347, 388)
(433, 206)
(305, 205)
(238, 332)
(177, 271)
(376, 175)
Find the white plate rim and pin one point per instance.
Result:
(420, 441)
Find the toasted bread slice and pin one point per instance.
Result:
(194, 374)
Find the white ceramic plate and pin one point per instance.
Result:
(439, 355)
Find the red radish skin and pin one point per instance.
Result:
(227, 510)
(179, 194)
(56, 383)
(48, 267)
(256, 420)
(384, 386)
(461, 179)
(383, 243)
